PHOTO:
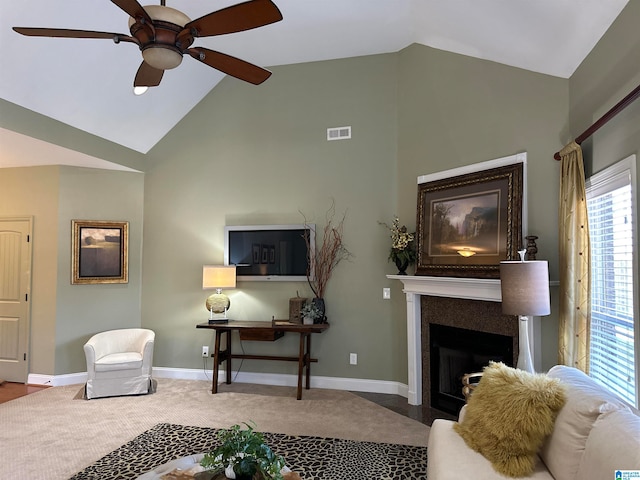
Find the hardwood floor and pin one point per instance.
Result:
(394, 402)
(10, 390)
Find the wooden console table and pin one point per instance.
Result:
(263, 331)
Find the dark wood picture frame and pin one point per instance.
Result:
(99, 252)
(479, 212)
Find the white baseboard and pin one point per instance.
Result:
(57, 380)
(335, 383)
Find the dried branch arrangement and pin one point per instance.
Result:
(329, 254)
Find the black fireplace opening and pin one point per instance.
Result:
(454, 352)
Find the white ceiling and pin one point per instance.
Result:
(87, 83)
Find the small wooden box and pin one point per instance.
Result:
(295, 308)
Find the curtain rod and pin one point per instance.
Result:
(621, 105)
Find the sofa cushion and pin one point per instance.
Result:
(509, 415)
(451, 459)
(563, 450)
(613, 444)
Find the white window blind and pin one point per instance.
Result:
(614, 324)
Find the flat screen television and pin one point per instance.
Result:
(269, 252)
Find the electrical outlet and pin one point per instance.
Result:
(205, 351)
(353, 358)
(386, 293)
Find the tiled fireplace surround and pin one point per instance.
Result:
(468, 303)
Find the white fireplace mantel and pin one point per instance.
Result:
(487, 289)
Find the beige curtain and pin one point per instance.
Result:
(575, 271)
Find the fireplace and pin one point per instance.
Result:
(488, 318)
(456, 352)
(471, 332)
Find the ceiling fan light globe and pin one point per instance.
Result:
(163, 55)
(166, 14)
(161, 58)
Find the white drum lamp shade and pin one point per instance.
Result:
(525, 292)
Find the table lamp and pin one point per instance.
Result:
(525, 292)
(218, 277)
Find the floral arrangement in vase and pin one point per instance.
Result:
(311, 313)
(403, 251)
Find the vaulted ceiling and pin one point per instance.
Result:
(87, 83)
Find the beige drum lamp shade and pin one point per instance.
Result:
(525, 288)
(217, 277)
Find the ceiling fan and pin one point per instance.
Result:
(165, 34)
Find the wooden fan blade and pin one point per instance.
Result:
(148, 76)
(134, 9)
(67, 33)
(230, 65)
(236, 18)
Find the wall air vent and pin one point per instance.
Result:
(338, 133)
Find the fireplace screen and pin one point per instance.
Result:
(456, 352)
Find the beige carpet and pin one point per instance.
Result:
(54, 433)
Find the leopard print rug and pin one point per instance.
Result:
(314, 458)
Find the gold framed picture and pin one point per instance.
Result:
(99, 252)
(469, 223)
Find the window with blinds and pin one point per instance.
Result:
(615, 334)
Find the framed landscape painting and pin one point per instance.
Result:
(469, 223)
(99, 252)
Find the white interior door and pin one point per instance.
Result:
(15, 285)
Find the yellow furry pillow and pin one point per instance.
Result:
(509, 415)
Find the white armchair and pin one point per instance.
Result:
(119, 362)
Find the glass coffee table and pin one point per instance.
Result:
(185, 468)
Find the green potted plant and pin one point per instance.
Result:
(310, 313)
(244, 455)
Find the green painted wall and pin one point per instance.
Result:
(262, 156)
(605, 77)
(82, 310)
(256, 155)
(456, 111)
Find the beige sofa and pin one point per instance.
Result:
(595, 434)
